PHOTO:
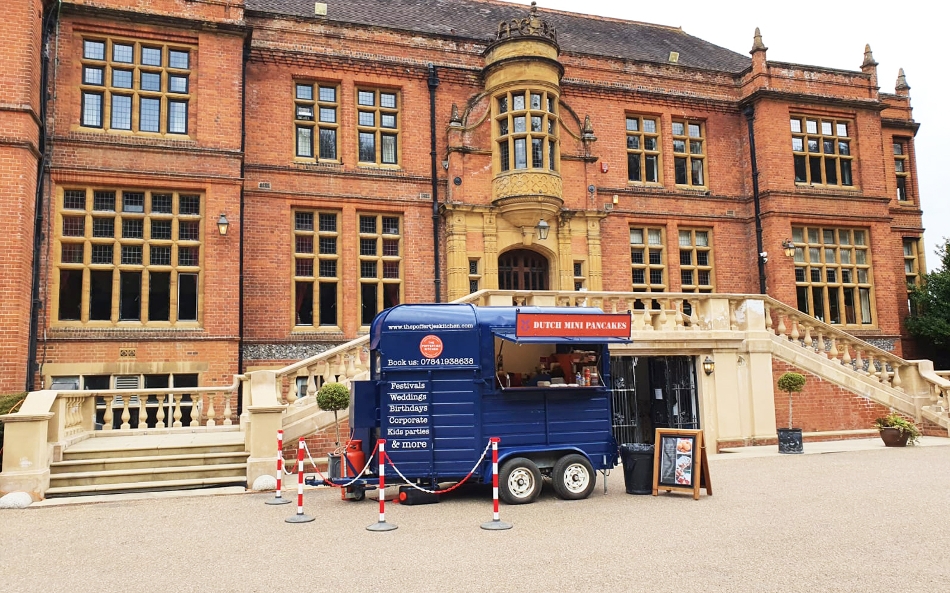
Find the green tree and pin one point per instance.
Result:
(791, 383)
(930, 305)
(333, 397)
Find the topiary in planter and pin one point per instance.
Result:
(331, 398)
(791, 383)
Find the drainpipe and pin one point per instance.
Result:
(43, 146)
(749, 113)
(434, 84)
(246, 54)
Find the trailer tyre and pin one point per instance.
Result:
(574, 477)
(519, 481)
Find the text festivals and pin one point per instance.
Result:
(406, 416)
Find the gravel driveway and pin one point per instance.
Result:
(868, 520)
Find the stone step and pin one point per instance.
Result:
(107, 452)
(236, 472)
(210, 458)
(149, 486)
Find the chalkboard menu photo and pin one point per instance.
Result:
(679, 462)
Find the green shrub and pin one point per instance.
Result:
(8, 403)
(333, 397)
(899, 422)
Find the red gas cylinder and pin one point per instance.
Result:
(354, 458)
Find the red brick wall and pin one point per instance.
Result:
(286, 50)
(319, 445)
(206, 162)
(822, 406)
(19, 146)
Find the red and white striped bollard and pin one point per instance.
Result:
(278, 499)
(495, 523)
(382, 525)
(299, 517)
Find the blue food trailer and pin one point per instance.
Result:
(445, 378)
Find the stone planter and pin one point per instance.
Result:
(894, 437)
(790, 440)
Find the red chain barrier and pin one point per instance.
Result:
(450, 488)
(329, 481)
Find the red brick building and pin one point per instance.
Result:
(307, 132)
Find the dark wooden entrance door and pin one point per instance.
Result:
(522, 269)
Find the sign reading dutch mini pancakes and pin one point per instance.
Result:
(430, 346)
(573, 325)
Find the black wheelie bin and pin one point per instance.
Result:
(637, 461)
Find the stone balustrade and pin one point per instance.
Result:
(916, 379)
(658, 312)
(48, 420)
(337, 365)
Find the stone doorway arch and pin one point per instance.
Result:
(523, 269)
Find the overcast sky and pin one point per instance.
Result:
(831, 34)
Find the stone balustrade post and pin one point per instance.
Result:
(28, 444)
(265, 419)
(647, 317)
(715, 313)
(750, 314)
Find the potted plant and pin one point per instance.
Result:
(897, 431)
(790, 439)
(333, 397)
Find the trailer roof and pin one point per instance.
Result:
(456, 317)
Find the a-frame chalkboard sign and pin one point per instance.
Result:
(679, 462)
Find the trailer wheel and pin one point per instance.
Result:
(519, 481)
(573, 477)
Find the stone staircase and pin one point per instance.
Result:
(114, 464)
(217, 448)
(837, 374)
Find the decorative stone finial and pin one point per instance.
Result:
(868, 57)
(455, 119)
(901, 81)
(588, 127)
(587, 133)
(757, 44)
(529, 26)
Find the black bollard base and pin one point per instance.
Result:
(299, 519)
(496, 525)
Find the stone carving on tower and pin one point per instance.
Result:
(529, 26)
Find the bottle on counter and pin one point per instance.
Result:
(586, 376)
(594, 377)
(578, 378)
